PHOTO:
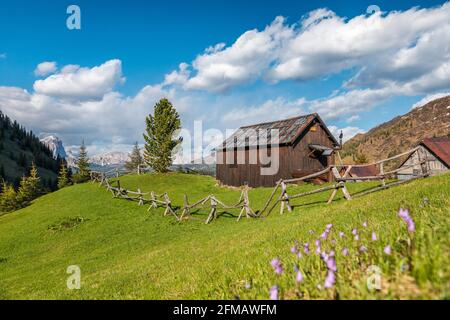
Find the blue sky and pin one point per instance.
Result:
(228, 86)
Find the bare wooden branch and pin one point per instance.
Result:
(307, 193)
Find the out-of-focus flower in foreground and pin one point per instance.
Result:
(273, 293)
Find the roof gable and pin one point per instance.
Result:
(440, 147)
(260, 134)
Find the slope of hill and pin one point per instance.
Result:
(18, 149)
(401, 133)
(125, 252)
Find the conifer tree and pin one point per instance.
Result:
(83, 164)
(25, 193)
(34, 181)
(135, 159)
(8, 198)
(159, 142)
(63, 176)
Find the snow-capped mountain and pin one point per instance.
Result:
(109, 158)
(55, 145)
(71, 157)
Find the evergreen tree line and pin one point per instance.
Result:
(32, 186)
(28, 143)
(18, 192)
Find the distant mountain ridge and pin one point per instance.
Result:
(110, 158)
(401, 133)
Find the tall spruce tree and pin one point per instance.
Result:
(83, 163)
(135, 159)
(158, 136)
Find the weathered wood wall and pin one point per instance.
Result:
(292, 159)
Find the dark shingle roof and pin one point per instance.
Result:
(289, 130)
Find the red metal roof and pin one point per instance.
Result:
(367, 171)
(440, 147)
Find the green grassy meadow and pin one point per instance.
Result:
(125, 252)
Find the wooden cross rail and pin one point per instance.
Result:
(310, 176)
(380, 161)
(243, 204)
(387, 186)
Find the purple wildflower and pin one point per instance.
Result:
(331, 264)
(299, 277)
(330, 280)
(354, 232)
(306, 248)
(299, 254)
(404, 215)
(275, 262)
(277, 266)
(387, 250)
(294, 249)
(274, 293)
(364, 224)
(329, 226)
(341, 234)
(317, 243)
(324, 235)
(318, 250)
(331, 253)
(374, 236)
(411, 225)
(363, 249)
(345, 252)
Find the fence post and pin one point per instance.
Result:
(284, 198)
(383, 181)
(141, 198)
(186, 207)
(212, 215)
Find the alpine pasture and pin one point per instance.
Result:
(127, 252)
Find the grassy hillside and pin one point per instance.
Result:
(125, 252)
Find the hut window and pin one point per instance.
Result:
(268, 154)
(234, 164)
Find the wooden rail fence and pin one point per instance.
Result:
(284, 199)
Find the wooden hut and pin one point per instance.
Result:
(304, 145)
(436, 151)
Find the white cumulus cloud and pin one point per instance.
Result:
(82, 83)
(45, 68)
